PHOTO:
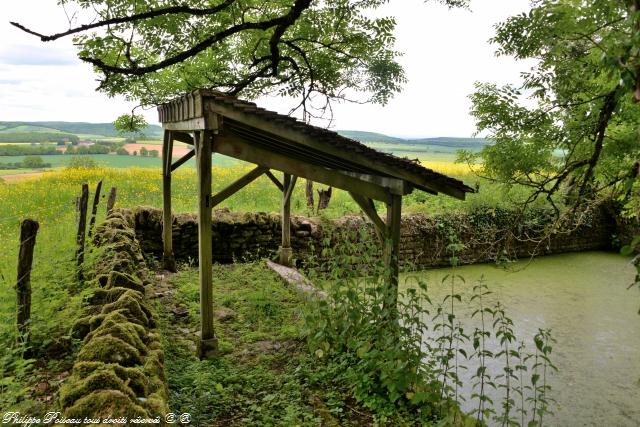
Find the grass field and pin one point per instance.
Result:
(115, 161)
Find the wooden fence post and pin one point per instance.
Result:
(82, 226)
(28, 232)
(111, 201)
(94, 208)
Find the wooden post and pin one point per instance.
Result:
(28, 232)
(111, 201)
(82, 226)
(168, 259)
(392, 253)
(208, 343)
(94, 208)
(284, 251)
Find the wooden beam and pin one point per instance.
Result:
(236, 147)
(369, 210)
(208, 342)
(168, 259)
(392, 254)
(199, 123)
(182, 137)
(285, 252)
(274, 180)
(311, 141)
(183, 160)
(234, 187)
(394, 185)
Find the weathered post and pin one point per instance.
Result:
(82, 226)
(285, 251)
(94, 208)
(111, 201)
(392, 254)
(28, 232)
(168, 259)
(208, 343)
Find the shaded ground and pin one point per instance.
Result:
(264, 375)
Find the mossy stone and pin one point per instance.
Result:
(156, 404)
(105, 296)
(128, 332)
(81, 327)
(101, 379)
(131, 306)
(106, 404)
(133, 377)
(110, 349)
(124, 280)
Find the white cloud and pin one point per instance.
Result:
(445, 52)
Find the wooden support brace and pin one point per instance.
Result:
(369, 209)
(275, 180)
(182, 160)
(234, 187)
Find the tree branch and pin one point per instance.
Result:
(125, 19)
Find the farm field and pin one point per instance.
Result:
(113, 161)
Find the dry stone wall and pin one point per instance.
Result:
(488, 236)
(119, 369)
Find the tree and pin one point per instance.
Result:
(144, 152)
(33, 162)
(316, 51)
(573, 123)
(130, 124)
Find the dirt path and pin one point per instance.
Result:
(20, 177)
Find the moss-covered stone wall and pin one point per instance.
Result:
(488, 235)
(119, 369)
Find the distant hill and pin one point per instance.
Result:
(370, 137)
(450, 142)
(77, 128)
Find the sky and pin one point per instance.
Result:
(444, 53)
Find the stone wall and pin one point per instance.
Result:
(119, 369)
(488, 236)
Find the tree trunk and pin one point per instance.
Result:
(309, 192)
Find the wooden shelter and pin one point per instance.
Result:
(217, 123)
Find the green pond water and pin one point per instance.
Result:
(583, 299)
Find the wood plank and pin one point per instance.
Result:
(274, 180)
(298, 136)
(182, 137)
(285, 252)
(203, 146)
(392, 254)
(234, 187)
(168, 258)
(198, 123)
(369, 210)
(238, 148)
(394, 185)
(183, 160)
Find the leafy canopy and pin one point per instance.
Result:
(573, 124)
(314, 50)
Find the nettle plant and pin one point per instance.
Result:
(426, 359)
